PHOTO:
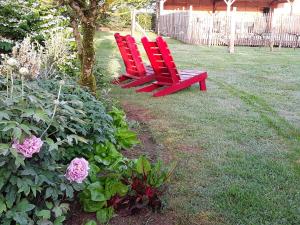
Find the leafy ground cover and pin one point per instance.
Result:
(237, 145)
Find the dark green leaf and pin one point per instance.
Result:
(2, 206)
(59, 220)
(45, 214)
(24, 206)
(97, 192)
(4, 149)
(91, 222)
(104, 215)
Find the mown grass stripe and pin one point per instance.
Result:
(267, 113)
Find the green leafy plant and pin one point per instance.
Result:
(6, 46)
(91, 222)
(124, 186)
(34, 190)
(105, 180)
(124, 136)
(19, 19)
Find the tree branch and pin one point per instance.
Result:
(74, 5)
(99, 4)
(76, 33)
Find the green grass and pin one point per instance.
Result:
(238, 144)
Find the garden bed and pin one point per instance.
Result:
(148, 147)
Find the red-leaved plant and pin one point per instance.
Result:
(147, 184)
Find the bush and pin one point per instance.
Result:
(20, 18)
(6, 45)
(47, 123)
(117, 15)
(146, 21)
(67, 119)
(55, 58)
(122, 20)
(59, 57)
(17, 19)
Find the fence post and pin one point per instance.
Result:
(190, 25)
(133, 15)
(210, 29)
(272, 20)
(232, 30)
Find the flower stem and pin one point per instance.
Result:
(54, 111)
(12, 84)
(7, 86)
(22, 87)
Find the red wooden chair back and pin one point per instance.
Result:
(130, 55)
(161, 61)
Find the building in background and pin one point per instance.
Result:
(245, 6)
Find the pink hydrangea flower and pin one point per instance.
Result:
(78, 170)
(29, 146)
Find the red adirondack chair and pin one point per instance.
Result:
(136, 71)
(166, 73)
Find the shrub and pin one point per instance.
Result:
(6, 45)
(64, 117)
(49, 128)
(29, 55)
(146, 21)
(53, 58)
(122, 20)
(58, 55)
(117, 14)
(17, 20)
(20, 18)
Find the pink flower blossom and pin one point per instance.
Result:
(29, 147)
(78, 170)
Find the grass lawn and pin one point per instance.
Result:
(238, 144)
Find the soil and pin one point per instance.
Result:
(145, 217)
(147, 147)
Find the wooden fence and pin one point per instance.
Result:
(250, 30)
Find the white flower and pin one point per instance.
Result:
(56, 102)
(12, 62)
(61, 82)
(24, 71)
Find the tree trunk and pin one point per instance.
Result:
(88, 56)
(157, 17)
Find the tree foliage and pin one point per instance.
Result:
(22, 18)
(18, 19)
